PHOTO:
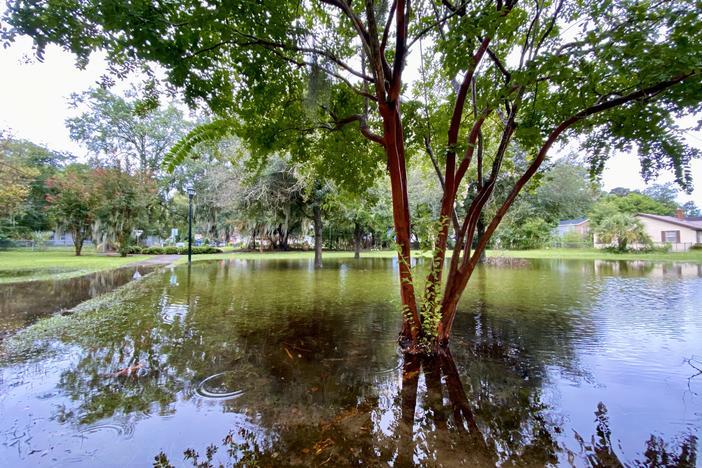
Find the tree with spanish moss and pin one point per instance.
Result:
(613, 75)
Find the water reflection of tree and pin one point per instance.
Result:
(436, 423)
(312, 384)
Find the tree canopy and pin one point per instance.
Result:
(509, 80)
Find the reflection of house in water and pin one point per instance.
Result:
(649, 269)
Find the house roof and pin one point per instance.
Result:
(572, 222)
(691, 223)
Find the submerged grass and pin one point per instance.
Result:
(27, 265)
(90, 321)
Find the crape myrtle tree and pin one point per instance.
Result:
(72, 199)
(616, 72)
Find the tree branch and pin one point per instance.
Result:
(438, 23)
(643, 94)
(363, 125)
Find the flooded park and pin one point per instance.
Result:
(271, 362)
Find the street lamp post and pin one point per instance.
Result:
(191, 194)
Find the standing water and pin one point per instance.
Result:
(275, 363)
(23, 303)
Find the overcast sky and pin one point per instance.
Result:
(34, 106)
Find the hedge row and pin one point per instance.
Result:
(135, 249)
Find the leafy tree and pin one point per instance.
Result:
(620, 191)
(621, 230)
(509, 67)
(534, 233)
(665, 194)
(691, 209)
(120, 131)
(565, 191)
(73, 202)
(122, 203)
(25, 169)
(635, 202)
(15, 187)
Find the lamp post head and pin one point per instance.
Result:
(191, 192)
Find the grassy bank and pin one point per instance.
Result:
(565, 254)
(694, 256)
(27, 265)
(297, 255)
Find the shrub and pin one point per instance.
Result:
(135, 250)
(40, 239)
(172, 250)
(5, 242)
(696, 247)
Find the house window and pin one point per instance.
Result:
(672, 237)
(699, 237)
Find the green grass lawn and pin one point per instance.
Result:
(27, 265)
(598, 254)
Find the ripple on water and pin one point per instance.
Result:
(219, 386)
(117, 430)
(390, 367)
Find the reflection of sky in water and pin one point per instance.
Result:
(289, 352)
(646, 327)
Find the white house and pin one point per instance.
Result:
(679, 231)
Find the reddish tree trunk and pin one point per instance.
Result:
(395, 153)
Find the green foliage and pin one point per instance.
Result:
(691, 209)
(616, 75)
(565, 192)
(73, 201)
(40, 238)
(204, 133)
(123, 201)
(665, 194)
(171, 250)
(574, 238)
(24, 169)
(631, 203)
(696, 247)
(121, 130)
(620, 230)
(533, 234)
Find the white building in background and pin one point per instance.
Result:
(679, 231)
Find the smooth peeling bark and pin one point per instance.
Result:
(395, 153)
(452, 178)
(460, 276)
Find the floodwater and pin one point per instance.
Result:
(22, 304)
(271, 363)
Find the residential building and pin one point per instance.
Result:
(579, 225)
(679, 231)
